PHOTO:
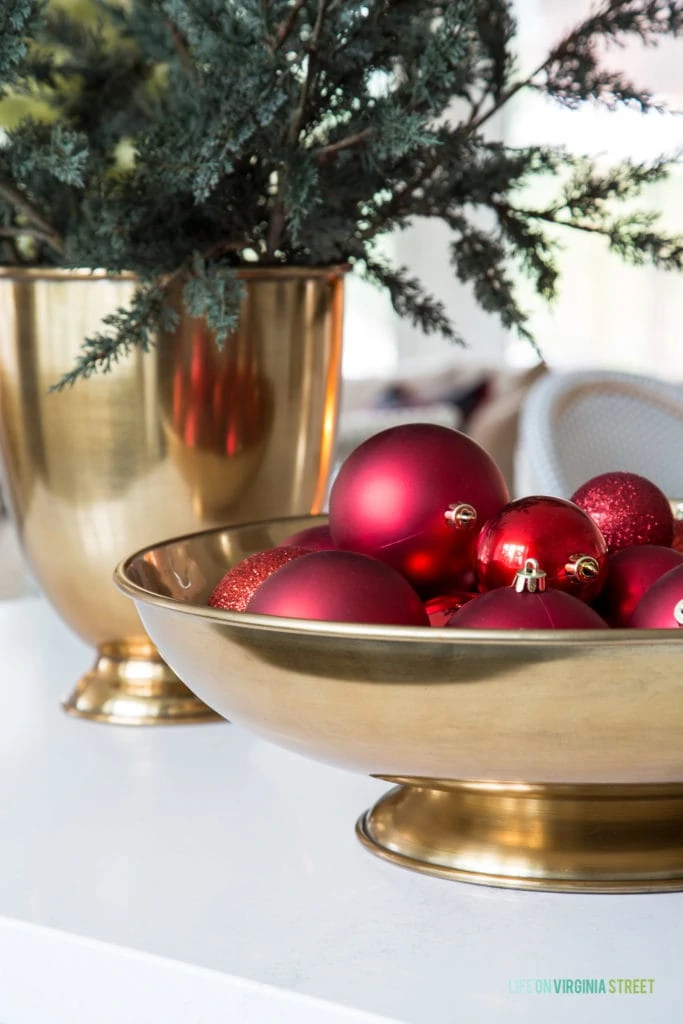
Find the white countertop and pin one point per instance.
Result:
(204, 845)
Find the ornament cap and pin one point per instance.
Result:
(678, 613)
(583, 567)
(461, 516)
(530, 579)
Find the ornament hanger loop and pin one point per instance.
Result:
(461, 516)
(531, 579)
(678, 613)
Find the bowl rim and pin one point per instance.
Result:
(356, 630)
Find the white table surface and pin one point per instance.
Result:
(207, 846)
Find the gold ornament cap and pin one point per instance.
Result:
(583, 568)
(531, 579)
(461, 516)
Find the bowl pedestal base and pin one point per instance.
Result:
(129, 684)
(572, 838)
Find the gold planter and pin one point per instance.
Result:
(537, 759)
(182, 438)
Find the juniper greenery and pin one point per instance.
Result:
(181, 139)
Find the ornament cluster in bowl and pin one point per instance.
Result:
(539, 758)
(422, 510)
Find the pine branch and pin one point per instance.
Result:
(16, 198)
(287, 25)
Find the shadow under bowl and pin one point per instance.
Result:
(532, 759)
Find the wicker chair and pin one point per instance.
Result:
(576, 425)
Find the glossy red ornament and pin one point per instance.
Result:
(557, 534)
(415, 497)
(340, 586)
(315, 538)
(630, 575)
(240, 583)
(527, 604)
(629, 510)
(678, 535)
(662, 605)
(442, 608)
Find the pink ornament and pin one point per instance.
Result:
(630, 574)
(340, 586)
(555, 533)
(315, 538)
(629, 510)
(240, 583)
(415, 497)
(526, 605)
(662, 605)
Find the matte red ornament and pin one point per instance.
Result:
(315, 538)
(630, 575)
(415, 497)
(240, 583)
(441, 609)
(340, 586)
(662, 606)
(629, 510)
(557, 534)
(527, 604)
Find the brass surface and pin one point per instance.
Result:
(181, 438)
(559, 752)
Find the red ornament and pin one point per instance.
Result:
(315, 538)
(441, 609)
(662, 606)
(678, 535)
(415, 497)
(240, 583)
(527, 604)
(630, 575)
(553, 532)
(340, 586)
(629, 510)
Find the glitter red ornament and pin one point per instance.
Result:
(315, 538)
(442, 608)
(662, 606)
(630, 575)
(527, 604)
(340, 586)
(240, 583)
(629, 510)
(415, 497)
(556, 534)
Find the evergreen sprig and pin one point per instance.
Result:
(186, 138)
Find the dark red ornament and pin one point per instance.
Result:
(630, 575)
(340, 586)
(415, 497)
(240, 583)
(527, 604)
(556, 534)
(315, 538)
(662, 606)
(678, 535)
(629, 510)
(441, 609)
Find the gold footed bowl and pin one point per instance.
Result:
(532, 759)
(181, 438)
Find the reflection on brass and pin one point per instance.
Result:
(182, 438)
(536, 759)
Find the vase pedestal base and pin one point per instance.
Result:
(129, 684)
(566, 838)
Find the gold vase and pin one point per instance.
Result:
(175, 440)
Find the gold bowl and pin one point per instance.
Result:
(532, 759)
